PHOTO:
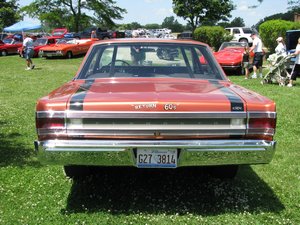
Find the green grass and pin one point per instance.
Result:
(34, 194)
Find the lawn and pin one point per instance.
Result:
(31, 193)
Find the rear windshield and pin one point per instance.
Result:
(248, 30)
(151, 60)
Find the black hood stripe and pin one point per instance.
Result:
(236, 102)
(76, 102)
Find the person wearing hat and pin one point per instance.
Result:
(296, 68)
(281, 48)
(256, 48)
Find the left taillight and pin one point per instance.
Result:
(49, 124)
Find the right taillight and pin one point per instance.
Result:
(261, 126)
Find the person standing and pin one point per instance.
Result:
(256, 48)
(28, 51)
(93, 34)
(246, 62)
(296, 68)
(281, 48)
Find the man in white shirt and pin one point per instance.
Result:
(28, 51)
(256, 48)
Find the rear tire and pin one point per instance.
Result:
(4, 53)
(244, 40)
(224, 172)
(69, 55)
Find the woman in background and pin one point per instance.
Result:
(296, 68)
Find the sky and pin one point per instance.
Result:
(155, 11)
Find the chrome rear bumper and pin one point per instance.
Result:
(122, 152)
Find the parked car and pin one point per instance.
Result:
(185, 35)
(169, 36)
(291, 43)
(59, 32)
(40, 43)
(100, 34)
(241, 34)
(157, 114)
(67, 47)
(3, 36)
(230, 56)
(9, 46)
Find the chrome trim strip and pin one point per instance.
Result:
(50, 114)
(134, 114)
(140, 132)
(189, 144)
(266, 131)
(261, 114)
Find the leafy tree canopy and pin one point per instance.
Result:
(171, 23)
(198, 12)
(236, 22)
(294, 4)
(9, 13)
(73, 14)
(288, 16)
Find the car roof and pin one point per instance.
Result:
(150, 40)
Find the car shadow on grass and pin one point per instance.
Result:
(13, 152)
(181, 191)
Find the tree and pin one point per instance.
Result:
(237, 22)
(294, 4)
(130, 26)
(197, 12)
(288, 16)
(171, 23)
(68, 11)
(9, 13)
(152, 26)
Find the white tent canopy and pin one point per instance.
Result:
(23, 26)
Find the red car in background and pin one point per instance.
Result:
(59, 32)
(9, 46)
(67, 47)
(230, 56)
(39, 43)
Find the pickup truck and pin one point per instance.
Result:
(100, 34)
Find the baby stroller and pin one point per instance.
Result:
(278, 73)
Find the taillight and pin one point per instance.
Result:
(262, 128)
(114, 35)
(50, 123)
(261, 123)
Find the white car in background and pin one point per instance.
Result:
(241, 34)
(169, 36)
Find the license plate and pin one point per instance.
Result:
(156, 158)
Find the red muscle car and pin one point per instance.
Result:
(129, 107)
(230, 56)
(67, 47)
(9, 46)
